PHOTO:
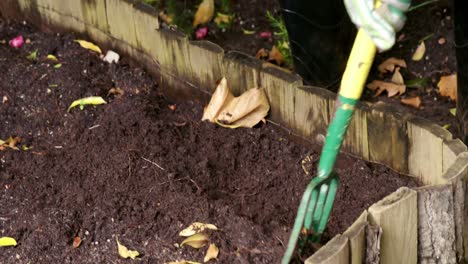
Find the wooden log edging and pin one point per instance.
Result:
(191, 68)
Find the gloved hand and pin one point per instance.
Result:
(380, 24)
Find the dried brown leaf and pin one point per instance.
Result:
(261, 54)
(397, 78)
(389, 65)
(116, 91)
(204, 13)
(76, 242)
(196, 241)
(448, 86)
(392, 89)
(195, 228)
(413, 101)
(276, 56)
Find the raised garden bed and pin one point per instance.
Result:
(401, 228)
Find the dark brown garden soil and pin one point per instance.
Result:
(141, 169)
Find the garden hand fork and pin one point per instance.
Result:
(317, 201)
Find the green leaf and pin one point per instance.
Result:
(58, 65)
(248, 32)
(416, 83)
(7, 242)
(53, 85)
(93, 100)
(32, 55)
(453, 111)
(52, 57)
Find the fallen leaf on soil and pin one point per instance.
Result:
(448, 86)
(276, 56)
(195, 228)
(389, 65)
(58, 66)
(196, 241)
(165, 17)
(16, 42)
(201, 33)
(211, 253)
(261, 54)
(419, 53)
(173, 107)
(453, 111)
(391, 88)
(52, 57)
(125, 253)
(414, 101)
(248, 32)
(441, 41)
(10, 142)
(233, 112)
(222, 19)
(89, 45)
(7, 242)
(76, 242)
(397, 78)
(32, 55)
(204, 13)
(5, 99)
(93, 100)
(116, 91)
(416, 83)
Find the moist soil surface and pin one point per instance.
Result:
(141, 169)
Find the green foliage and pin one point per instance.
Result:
(224, 6)
(151, 2)
(283, 42)
(182, 15)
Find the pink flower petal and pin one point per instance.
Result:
(265, 34)
(16, 42)
(201, 33)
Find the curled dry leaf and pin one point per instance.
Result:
(397, 78)
(261, 54)
(413, 101)
(448, 86)
(7, 242)
(419, 53)
(89, 45)
(195, 228)
(204, 13)
(211, 253)
(76, 242)
(10, 142)
(276, 56)
(389, 65)
(196, 241)
(116, 91)
(392, 89)
(233, 112)
(124, 252)
(92, 100)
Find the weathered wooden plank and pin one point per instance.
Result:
(56, 20)
(373, 240)
(387, 136)
(94, 14)
(241, 71)
(450, 150)
(206, 60)
(280, 87)
(356, 234)
(425, 157)
(397, 215)
(120, 17)
(311, 117)
(436, 225)
(336, 251)
(457, 174)
(146, 28)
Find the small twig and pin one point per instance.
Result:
(279, 239)
(421, 5)
(154, 163)
(173, 180)
(93, 127)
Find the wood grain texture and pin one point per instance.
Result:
(120, 19)
(397, 215)
(146, 25)
(436, 225)
(425, 159)
(373, 241)
(450, 150)
(281, 87)
(387, 136)
(336, 251)
(356, 235)
(94, 14)
(241, 71)
(206, 60)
